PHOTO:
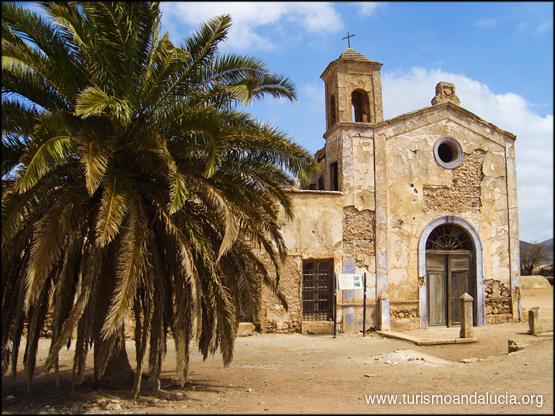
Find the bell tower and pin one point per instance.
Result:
(353, 97)
(354, 107)
(353, 90)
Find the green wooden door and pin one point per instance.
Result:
(458, 266)
(435, 265)
(448, 278)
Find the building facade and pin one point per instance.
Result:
(424, 204)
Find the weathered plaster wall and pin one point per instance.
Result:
(333, 154)
(420, 190)
(315, 232)
(272, 315)
(358, 235)
(352, 145)
(357, 184)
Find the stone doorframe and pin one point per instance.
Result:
(422, 284)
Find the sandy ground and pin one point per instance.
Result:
(318, 374)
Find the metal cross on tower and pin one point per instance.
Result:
(348, 37)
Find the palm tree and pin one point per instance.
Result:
(133, 184)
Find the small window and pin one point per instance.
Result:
(312, 186)
(448, 152)
(334, 180)
(445, 153)
(321, 185)
(332, 111)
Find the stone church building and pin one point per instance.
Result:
(424, 203)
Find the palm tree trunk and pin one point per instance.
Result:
(118, 371)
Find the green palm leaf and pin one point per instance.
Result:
(94, 102)
(44, 159)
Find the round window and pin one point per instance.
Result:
(448, 152)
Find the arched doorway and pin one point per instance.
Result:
(449, 264)
(449, 261)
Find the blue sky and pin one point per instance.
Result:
(499, 55)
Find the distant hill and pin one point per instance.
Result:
(548, 244)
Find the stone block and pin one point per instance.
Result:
(383, 313)
(405, 324)
(467, 330)
(246, 329)
(534, 321)
(514, 346)
(317, 327)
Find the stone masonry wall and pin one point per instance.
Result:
(402, 311)
(272, 316)
(498, 301)
(358, 235)
(464, 193)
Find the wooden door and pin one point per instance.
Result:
(448, 278)
(436, 268)
(458, 266)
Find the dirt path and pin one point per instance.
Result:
(317, 374)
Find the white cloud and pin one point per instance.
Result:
(486, 23)
(248, 17)
(367, 8)
(545, 26)
(404, 92)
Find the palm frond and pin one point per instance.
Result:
(49, 238)
(44, 159)
(94, 159)
(89, 271)
(131, 270)
(92, 101)
(113, 209)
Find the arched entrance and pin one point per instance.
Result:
(450, 264)
(449, 259)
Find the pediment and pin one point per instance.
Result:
(404, 123)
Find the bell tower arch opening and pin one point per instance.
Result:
(332, 110)
(360, 106)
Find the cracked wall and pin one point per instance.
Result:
(358, 235)
(272, 316)
(419, 190)
(498, 301)
(464, 194)
(314, 233)
(377, 224)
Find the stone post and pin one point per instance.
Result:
(467, 329)
(534, 321)
(383, 312)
